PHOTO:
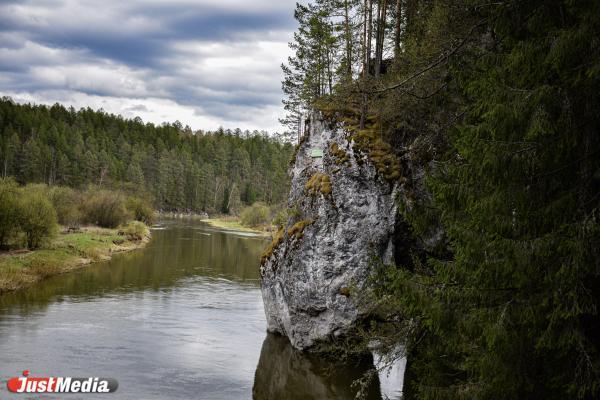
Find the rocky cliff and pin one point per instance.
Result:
(342, 213)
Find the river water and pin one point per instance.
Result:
(181, 319)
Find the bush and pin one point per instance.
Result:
(135, 230)
(255, 215)
(9, 210)
(106, 209)
(37, 218)
(67, 203)
(141, 210)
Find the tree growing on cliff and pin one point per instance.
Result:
(495, 105)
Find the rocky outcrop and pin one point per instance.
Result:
(342, 214)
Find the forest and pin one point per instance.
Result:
(170, 165)
(485, 115)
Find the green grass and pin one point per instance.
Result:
(65, 253)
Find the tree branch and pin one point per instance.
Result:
(439, 61)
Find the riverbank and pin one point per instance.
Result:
(67, 252)
(233, 224)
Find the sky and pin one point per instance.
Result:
(206, 63)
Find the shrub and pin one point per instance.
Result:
(37, 218)
(141, 210)
(9, 210)
(134, 230)
(106, 209)
(255, 215)
(67, 203)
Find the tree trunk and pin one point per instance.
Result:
(348, 40)
(365, 64)
(367, 57)
(398, 28)
(329, 74)
(369, 32)
(381, 17)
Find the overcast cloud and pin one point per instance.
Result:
(206, 63)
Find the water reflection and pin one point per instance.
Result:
(285, 373)
(176, 252)
(182, 318)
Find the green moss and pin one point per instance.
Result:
(298, 228)
(340, 156)
(319, 183)
(277, 239)
(380, 153)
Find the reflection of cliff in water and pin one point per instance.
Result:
(286, 373)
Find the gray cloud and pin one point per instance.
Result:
(217, 59)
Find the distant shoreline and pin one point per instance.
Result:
(233, 224)
(225, 222)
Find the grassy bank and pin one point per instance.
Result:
(66, 252)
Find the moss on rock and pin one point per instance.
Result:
(298, 228)
(277, 239)
(319, 183)
(379, 152)
(340, 156)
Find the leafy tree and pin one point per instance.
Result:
(66, 203)
(106, 209)
(37, 217)
(9, 210)
(256, 215)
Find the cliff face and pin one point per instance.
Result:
(341, 215)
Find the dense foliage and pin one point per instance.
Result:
(486, 115)
(29, 215)
(180, 170)
(256, 215)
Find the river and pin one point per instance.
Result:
(181, 319)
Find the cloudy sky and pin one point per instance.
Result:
(206, 63)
